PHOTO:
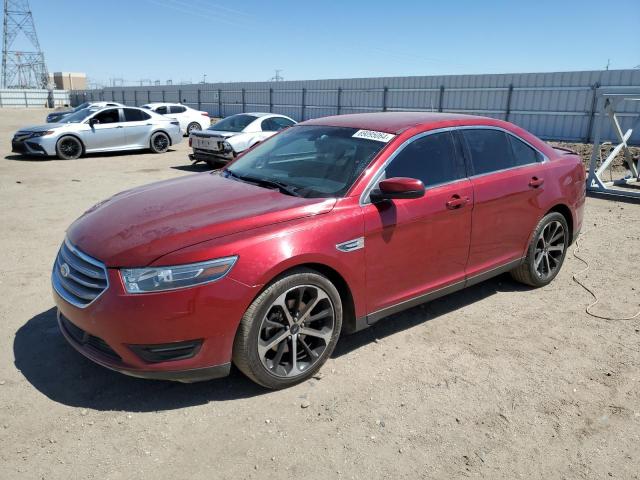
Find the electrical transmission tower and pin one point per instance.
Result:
(21, 68)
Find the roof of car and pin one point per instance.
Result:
(394, 122)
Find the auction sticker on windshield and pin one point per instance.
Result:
(373, 135)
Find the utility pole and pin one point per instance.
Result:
(204, 78)
(21, 68)
(277, 77)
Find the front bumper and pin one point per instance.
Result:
(112, 330)
(31, 146)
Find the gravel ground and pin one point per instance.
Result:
(497, 381)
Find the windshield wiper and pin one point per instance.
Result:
(264, 182)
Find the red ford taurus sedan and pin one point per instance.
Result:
(327, 227)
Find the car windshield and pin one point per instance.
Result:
(234, 123)
(81, 106)
(79, 116)
(308, 161)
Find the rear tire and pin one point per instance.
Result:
(69, 148)
(159, 142)
(546, 252)
(193, 126)
(278, 348)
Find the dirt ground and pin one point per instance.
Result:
(497, 381)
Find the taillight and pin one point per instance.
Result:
(205, 114)
(189, 141)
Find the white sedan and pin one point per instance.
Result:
(189, 118)
(223, 140)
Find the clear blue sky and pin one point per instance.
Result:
(249, 39)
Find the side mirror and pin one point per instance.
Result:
(93, 121)
(396, 188)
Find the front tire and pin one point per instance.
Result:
(546, 252)
(289, 330)
(69, 148)
(159, 142)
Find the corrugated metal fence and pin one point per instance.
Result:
(21, 98)
(557, 106)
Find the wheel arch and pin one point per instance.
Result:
(565, 211)
(336, 278)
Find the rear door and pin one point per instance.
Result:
(508, 178)
(416, 246)
(179, 112)
(108, 133)
(137, 126)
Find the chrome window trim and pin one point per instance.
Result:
(364, 197)
(87, 259)
(545, 159)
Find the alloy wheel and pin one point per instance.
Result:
(161, 142)
(193, 127)
(70, 148)
(296, 330)
(549, 250)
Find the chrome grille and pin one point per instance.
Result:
(77, 277)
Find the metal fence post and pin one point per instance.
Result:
(440, 98)
(26, 101)
(199, 100)
(244, 103)
(220, 103)
(179, 95)
(592, 112)
(303, 106)
(385, 92)
(163, 100)
(339, 101)
(271, 100)
(508, 109)
(135, 97)
(148, 96)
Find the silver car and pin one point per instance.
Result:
(92, 130)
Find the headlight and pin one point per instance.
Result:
(41, 134)
(157, 279)
(226, 146)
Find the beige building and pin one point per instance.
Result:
(68, 80)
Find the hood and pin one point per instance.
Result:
(213, 133)
(41, 128)
(136, 227)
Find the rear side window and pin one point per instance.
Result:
(432, 159)
(135, 115)
(178, 109)
(161, 110)
(523, 154)
(490, 150)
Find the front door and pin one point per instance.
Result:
(419, 246)
(107, 133)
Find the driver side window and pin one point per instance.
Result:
(108, 116)
(431, 159)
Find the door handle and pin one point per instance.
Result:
(120, 126)
(456, 201)
(536, 182)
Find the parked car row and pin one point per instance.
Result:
(320, 230)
